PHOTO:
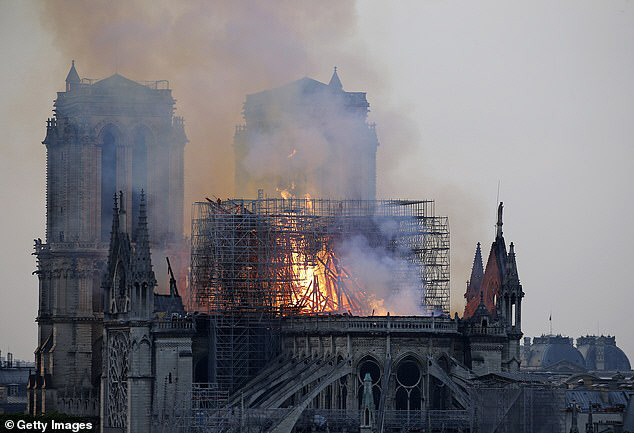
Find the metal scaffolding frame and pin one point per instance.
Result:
(519, 409)
(254, 261)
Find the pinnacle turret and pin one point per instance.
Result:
(142, 254)
(115, 221)
(335, 82)
(511, 276)
(477, 271)
(72, 77)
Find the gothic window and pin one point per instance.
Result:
(409, 385)
(108, 179)
(117, 398)
(369, 365)
(342, 392)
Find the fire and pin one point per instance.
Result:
(309, 201)
(286, 194)
(319, 281)
(327, 287)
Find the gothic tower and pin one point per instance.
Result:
(128, 286)
(500, 292)
(106, 136)
(306, 138)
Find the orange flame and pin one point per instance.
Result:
(326, 287)
(309, 201)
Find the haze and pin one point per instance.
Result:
(535, 95)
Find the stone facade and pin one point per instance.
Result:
(107, 136)
(147, 353)
(369, 374)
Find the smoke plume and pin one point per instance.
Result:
(391, 283)
(215, 53)
(307, 139)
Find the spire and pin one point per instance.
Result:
(335, 82)
(511, 276)
(115, 220)
(477, 271)
(142, 236)
(72, 77)
(143, 258)
(498, 233)
(122, 213)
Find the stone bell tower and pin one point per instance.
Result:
(106, 136)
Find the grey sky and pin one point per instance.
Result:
(536, 95)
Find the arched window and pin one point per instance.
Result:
(108, 179)
(370, 365)
(409, 385)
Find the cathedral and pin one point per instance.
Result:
(106, 136)
(116, 342)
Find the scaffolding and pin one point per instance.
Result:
(254, 261)
(519, 409)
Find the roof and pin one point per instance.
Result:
(10, 376)
(596, 347)
(73, 76)
(119, 82)
(550, 350)
(598, 399)
(303, 86)
(168, 304)
(335, 82)
(513, 377)
(305, 91)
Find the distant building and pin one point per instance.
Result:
(556, 353)
(14, 376)
(602, 353)
(306, 138)
(548, 351)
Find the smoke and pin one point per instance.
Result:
(215, 53)
(307, 138)
(391, 283)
